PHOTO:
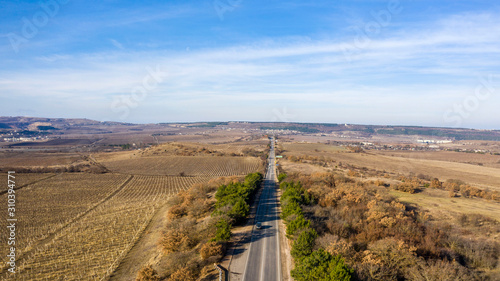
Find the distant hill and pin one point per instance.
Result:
(59, 126)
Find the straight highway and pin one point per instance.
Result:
(263, 262)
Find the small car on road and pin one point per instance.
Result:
(258, 225)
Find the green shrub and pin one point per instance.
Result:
(322, 266)
(303, 246)
(239, 211)
(290, 208)
(281, 177)
(298, 223)
(223, 232)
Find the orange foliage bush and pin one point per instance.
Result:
(147, 273)
(183, 274)
(175, 240)
(176, 212)
(211, 249)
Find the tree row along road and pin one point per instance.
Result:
(263, 263)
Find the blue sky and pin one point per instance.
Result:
(430, 63)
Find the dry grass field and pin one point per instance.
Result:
(443, 207)
(312, 148)
(487, 160)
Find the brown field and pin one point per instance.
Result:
(487, 160)
(308, 148)
(189, 165)
(23, 159)
(440, 204)
(410, 162)
(305, 168)
(55, 142)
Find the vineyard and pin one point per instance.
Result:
(86, 222)
(46, 206)
(189, 165)
(96, 243)
(23, 179)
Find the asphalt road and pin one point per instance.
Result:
(263, 263)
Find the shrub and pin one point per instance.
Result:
(322, 266)
(223, 232)
(200, 208)
(352, 173)
(183, 274)
(281, 177)
(290, 208)
(210, 249)
(175, 240)
(147, 273)
(304, 244)
(239, 211)
(435, 183)
(298, 223)
(393, 255)
(176, 211)
(477, 253)
(440, 271)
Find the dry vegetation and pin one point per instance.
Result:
(391, 215)
(384, 239)
(402, 216)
